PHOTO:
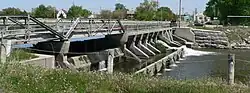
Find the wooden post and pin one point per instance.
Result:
(231, 64)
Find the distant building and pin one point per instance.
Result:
(61, 14)
(93, 16)
(130, 14)
(187, 17)
(201, 18)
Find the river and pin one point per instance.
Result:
(212, 63)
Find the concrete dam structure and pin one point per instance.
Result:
(106, 45)
(201, 38)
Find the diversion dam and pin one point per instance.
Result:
(146, 47)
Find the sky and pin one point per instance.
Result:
(96, 5)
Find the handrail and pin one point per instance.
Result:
(47, 27)
(73, 26)
(18, 23)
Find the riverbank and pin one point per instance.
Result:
(238, 36)
(20, 55)
(28, 79)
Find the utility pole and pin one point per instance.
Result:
(55, 12)
(180, 14)
(161, 15)
(157, 10)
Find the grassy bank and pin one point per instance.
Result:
(27, 79)
(20, 55)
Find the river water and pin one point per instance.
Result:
(212, 63)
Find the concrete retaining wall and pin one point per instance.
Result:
(185, 33)
(45, 61)
(203, 38)
(210, 38)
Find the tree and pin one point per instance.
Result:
(119, 14)
(224, 8)
(164, 13)
(146, 11)
(105, 14)
(77, 11)
(120, 6)
(12, 11)
(44, 12)
(120, 11)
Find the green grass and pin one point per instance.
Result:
(28, 79)
(20, 55)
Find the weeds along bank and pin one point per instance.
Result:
(20, 55)
(28, 79)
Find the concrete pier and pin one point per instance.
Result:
(137, 50)
(149, 46)
(3, 53)
(110, 61)
(5, 49)
(167, 62)
(144, 48)
(62, 57)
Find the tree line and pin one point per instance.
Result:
(146, 11)
(224, 8)
(43, 11)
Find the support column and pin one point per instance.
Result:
(102, 66)
(144, 48)
(167, 35)
(128, 52)
(147, 39)
(136, 50)
(172, 62)
(149, 46)
(171, 35)
(168, 41)
(152, 39)
(3, 52)
(110, 66)
(156, 36)
(61, 58)
(8, 48)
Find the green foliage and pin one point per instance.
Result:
(12, 11)
(120, 11)
(119, 14)
(146, 11)
(20, 55)
(224, 8)
(164, 13)
(28, 79)
(43, 11)
(105, 14)
(77, 11)
(120, 6)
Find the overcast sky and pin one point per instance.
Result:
(96, 5)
